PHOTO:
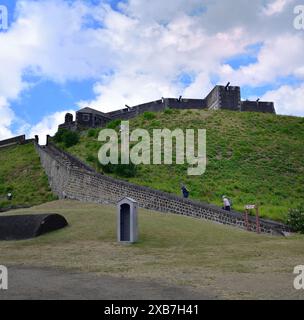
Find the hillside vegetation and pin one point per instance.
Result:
(253, 158)
(22, 175)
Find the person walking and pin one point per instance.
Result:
(185, 191)
(227, 204)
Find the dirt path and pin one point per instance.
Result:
(50, 284)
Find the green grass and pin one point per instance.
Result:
(171, 248)
(253, 158)
(22, 175)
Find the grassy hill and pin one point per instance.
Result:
(22, 175)
(253, 158)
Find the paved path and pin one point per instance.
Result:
(50, 284)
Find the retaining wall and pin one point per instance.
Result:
(71, 179)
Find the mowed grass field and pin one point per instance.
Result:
(22, 175)
(253, 158)
(172, 249)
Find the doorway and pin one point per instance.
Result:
(125, 222)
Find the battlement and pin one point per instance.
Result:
(221, 97)
(257, 106)
(13, 141)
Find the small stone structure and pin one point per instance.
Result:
(85, 118)
(221, 97)
(23, 227)
(127, 226)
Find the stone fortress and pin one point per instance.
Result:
(70, 178)
(221, 97)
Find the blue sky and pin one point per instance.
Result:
(60, 55)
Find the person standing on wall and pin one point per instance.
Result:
(227, 204)
(9, 196)
(185, 191)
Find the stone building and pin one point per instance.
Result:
(85, 118)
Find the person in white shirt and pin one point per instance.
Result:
(227, 205)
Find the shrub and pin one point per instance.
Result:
(70, 138)
(92, 133)
(59, 135)
(125, 170)
(149, 115)
(121, 170)
(156, 123)
(114, 124)
(90, 158)
(106, 168)
(295, 219)
(66, 137)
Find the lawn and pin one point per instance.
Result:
(172, 249)
(22, 175)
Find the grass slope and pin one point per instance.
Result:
(22, 174)
(171, 249)
(253, 158)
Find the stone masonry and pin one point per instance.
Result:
(69, 178)
(221, 97)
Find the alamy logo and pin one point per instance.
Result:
(3, 278)
(299, 280)
(3, 18)
(162, 147)
(299, 19)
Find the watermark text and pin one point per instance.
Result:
(298, 22)
(299, 280)
(3, 278)
(190, 147)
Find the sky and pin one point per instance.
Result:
(60, 55)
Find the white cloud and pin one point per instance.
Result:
(48, 125)
(153, 57)
(139, 53)
(129, 89)
(288, 100)
(49, 40)
(279, 57)
(276, 7)
(6, 118)
(161, 11)
(147, 56)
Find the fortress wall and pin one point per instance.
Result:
(230, 98)
(157, 106)
(186, 103)
(73, 180)
(126, 114)
(213, 99)
(253, 106)
(220, 97)
(13, 141)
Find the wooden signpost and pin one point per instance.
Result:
(252, 207)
